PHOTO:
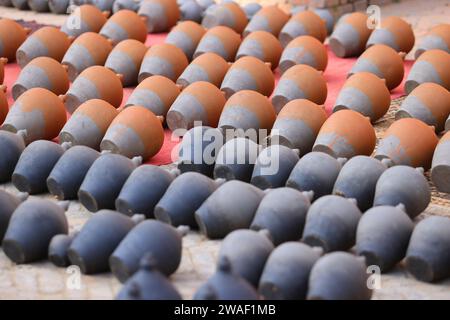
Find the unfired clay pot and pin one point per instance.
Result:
(395, 33)
(262, 45)
(228, 14)
(12, 35)
(186, 36)
(125, 24)
(437, 38)
(160, 15)
(304, 50)
(440, 169)
(270, 19)
(221, 40)
(85, 18)
(302, 24)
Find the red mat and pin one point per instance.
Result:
(335, 76)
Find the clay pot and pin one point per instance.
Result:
(12, 146)
(12, 35)
(304, 50)
(350, 35)
(440, 167)
(126, 4)
(306, 23)
(165, 60)
(383, 236)
(395, 33)
(327, 16)
(199, 102)
(428, 102)
(339, 276)
(136, 131)
(3, 62)
(4, 109)
(58, 6)
(191, 10)
(345, 134)
(8, 204)
(95, 83)
(427, 259)
(125, 24)
(57, 249)
(27, 241)
(186, 36)
(85, 18)
(228, 14)
(437, 38)
(317, 172)
(20, 4)
(286, 273)
(143, 189)
(38, 111)
(270, 19)
(262, 45)
(208, 67)
(403, 185)
(300, 82)
(160, 15)
(38, 5)
(89, 49)
(431, 66)
(409, 142)
(251, 9)
(221, 40)
(103, 5)
(68, 173)
(104, 180)
(42, 72)
(365, 93)
(156, 93)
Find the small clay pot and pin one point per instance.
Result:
(365, 93)
(262, 45)
(300, 82)
(403, 185)
(440, 168)
(437, 38)
(3, 62)
(12, 35)
(431, 66)
(270, 19)
(156, 93)
(160, 15)
(57, 249)
(208, 67)
(339, 276)
(38, 5)
(428, 102)
(304, 50)
(165, 60)
(42, 72)
(68, 173)
(408, 142)
(427, 256)
(317, 172)
(8, 204)
(85, 18)
(186, 36)
(327, 16)
(58, 6)
(4, 109)
(191, 10)
(345, 134)
(38, 111)
(297, 125)
(306, 23)
(12, 145)
(350, 35)
(228, 14)
(383, 236)
(103, 5)
(95, 83)
(125, 24)
(221, 40)
(89, 49)
(199, 102)
(395, 33)
(20, 4)
(251, 9)
(132, 5)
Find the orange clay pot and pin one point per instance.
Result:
(395, 33)
(12, 35)
(228, 14)
(262, 45)
(437, 38)
(304, 50)
(92, 20)
(3, 61)
(160, 15)
(301, 24)
(269, 18)
(3, 105)
(125, 24)
(221, 40)
(346, 134)
(186, 35)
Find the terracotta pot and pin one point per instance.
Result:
(20, 4)
(350, 35)
(199, 102)
(409, 142)
(440, 168)
(346, 134)
(437, 38)
(38, 5)
(85, 18)
(365, 93)
(428, 102)
(125, 24)
(269, 18)
(208, 67)
(42, 72)
(327, 16)
(12, 35)
(251, 9)
(126, 59)
(431, 66)
(156, 93)
(88, 50)
(262, 45)
(165, 60)
(136, 131)
(300, 82)
(126, 4)
(161, 15)
(298, 124)
(38, 111)
(191, 10)
(88, 124)
(186, 36)
(58, 6)
(395, 33)
(305, 23)
(3, 62)
(304, 50)
(221, 40)
(95, 83)
(228, 14)
(12, 146)
(3, 105)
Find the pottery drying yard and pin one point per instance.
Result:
(43, 280)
